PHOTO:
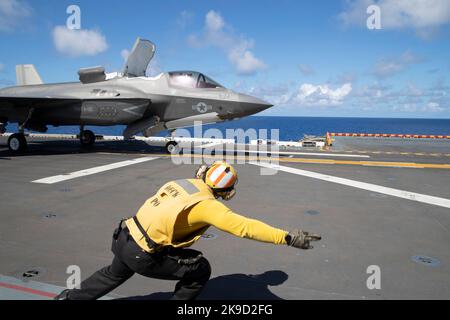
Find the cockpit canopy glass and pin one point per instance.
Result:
(192, 79)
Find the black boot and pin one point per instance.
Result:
(64, 295)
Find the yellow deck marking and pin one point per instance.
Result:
(370, 163)
(317, 161)
(399, 153)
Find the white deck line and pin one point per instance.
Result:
(91, 171)
(436, 201)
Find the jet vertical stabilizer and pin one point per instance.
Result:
(26, 75)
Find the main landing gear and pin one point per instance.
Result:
(17, 143)
(87, 138)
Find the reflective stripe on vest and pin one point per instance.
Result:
(188, 186)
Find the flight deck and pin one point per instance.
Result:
(376, 202)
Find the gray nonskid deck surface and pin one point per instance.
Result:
(51, 226)
(393, 144)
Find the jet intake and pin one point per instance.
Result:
(145, 125)
(151, 131)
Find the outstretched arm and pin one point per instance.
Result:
(215, 213)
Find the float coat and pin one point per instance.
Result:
(181, 211)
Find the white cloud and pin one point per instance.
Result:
(76, 43)
(2, 67)
(277, 95)
(377, 98)
(305, 95)
(413, 91)
(415, 13)
(391, 66)
(12, 12)
(321, 95)
(406, 107)
(238, 49)
(214, 21)
(423, 16)
(245, 62)
(410, 98)
(433, 107)
(269, 90)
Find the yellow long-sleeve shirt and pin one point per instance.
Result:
(214, 213)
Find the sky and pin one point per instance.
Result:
(308, 58)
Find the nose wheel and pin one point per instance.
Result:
(172, 148)
(87, 138)
(17, 143)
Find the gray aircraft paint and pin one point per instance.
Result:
(125, 100)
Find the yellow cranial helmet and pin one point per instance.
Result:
(221, 177)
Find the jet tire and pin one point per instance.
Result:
(17, 143)
(87, 138)
(172, 148)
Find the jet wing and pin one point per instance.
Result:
(139, 58)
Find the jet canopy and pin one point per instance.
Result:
(139, 58)
(192, 79)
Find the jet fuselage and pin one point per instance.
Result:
(124, 101)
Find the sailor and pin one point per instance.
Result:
(154, 243)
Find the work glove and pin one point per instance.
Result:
(301, 239)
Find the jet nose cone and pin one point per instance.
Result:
(251, 105)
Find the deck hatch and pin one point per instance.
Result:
(427, 261)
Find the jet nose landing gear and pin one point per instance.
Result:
(173, 148)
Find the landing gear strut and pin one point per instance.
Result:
(17, 143)
(87, 138)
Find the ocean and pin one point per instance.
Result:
(293, 128)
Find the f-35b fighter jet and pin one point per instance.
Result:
(144, 104)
